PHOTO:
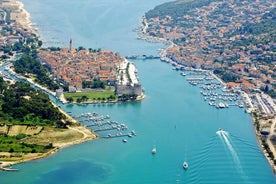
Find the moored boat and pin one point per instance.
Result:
(183, 73)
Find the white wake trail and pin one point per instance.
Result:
(230, 147)
(224, 136)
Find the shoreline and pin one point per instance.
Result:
(87, 135)
(269, 142)
(138, 99)
(19, 15)
(163, 57)
(85, 138)
(24, 21)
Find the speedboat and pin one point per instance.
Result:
(153, 151)
(124, 140)
(185, 165)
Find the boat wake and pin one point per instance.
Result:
(225, 138)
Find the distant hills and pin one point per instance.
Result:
(176, 8)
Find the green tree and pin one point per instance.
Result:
(79, 100)
(70, 99)
(84, 98)
(81, 48)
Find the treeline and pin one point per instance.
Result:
(28, 48)
(21, 104)
(13, 144)
(225, 75)
(96, 83)
(127, 97)
(176, 9)
(22, 45)
(31, 65)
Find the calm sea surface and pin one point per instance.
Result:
(174, 117)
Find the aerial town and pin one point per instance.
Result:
(14, 26)
(73, 67)
(220, 37)
(69, 66)
(234, 40)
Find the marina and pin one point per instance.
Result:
(104, 126)
(213, 90)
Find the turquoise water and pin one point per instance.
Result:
(174, 117)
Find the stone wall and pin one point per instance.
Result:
(128, 89)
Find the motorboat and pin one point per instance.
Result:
(153, 151)
(183, 73)
(185, 165)
(124, 140)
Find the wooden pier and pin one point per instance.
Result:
(103, 125)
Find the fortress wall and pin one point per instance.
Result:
(128, 89)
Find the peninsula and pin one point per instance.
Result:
(82, 70)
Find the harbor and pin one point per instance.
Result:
(213, 91)
(103, 125)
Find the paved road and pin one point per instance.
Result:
(269, 142)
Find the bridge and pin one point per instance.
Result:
(142, 57)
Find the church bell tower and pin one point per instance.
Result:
(70, 46)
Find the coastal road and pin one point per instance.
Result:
(269, 142)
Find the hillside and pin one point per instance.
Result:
(236, 39)
(176, 9)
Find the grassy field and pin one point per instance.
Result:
(93, 95)
(15, 144)
(27, 147)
